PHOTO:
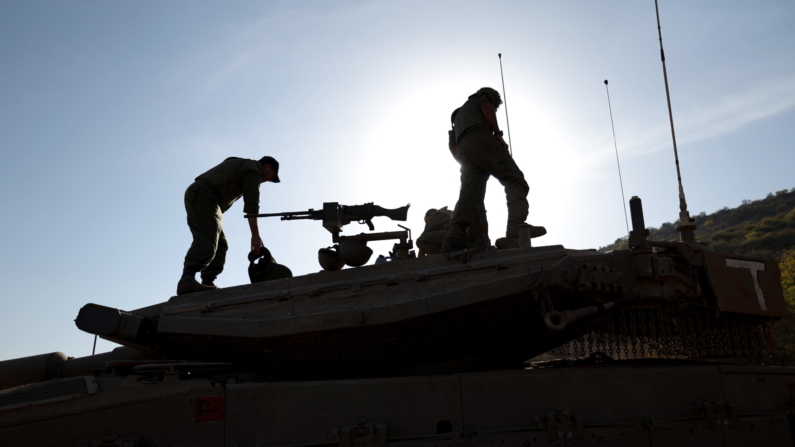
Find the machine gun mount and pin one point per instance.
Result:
(353, 250)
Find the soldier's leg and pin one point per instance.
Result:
(479, 229)
(516, 190)
(204, 220)
(216, 266)
(495, 160)
(470, 198)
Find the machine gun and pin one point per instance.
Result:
(353, 250)
(336, 216)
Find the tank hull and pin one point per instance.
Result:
(481, 311)
(640, 402)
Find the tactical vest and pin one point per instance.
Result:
(227, 179)
(470, 115)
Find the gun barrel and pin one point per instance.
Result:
(311, 214)
(301, 216)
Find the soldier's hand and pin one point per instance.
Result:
(502, 141)
(256, 244)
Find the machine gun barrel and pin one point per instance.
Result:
(295, 215)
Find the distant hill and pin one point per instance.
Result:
(760, 228)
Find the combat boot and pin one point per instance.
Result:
(208, 281)
(190, 285)
(535, 231)
(511, 242)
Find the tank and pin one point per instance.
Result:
(432, 351)
(483, 310)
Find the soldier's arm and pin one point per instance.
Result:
(250, 186)
(251, 183)
(256, 241)
(490, 113)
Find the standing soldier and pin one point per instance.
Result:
(482, 153)
(205, 202)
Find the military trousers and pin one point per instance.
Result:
(482, 156)
(207, 253)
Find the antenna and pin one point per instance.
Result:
(623, 200)
(505, 98)
(686, 225)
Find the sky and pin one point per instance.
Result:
(109, 110)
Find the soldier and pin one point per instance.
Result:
(205, 202)
(437, 222)
(482, 153)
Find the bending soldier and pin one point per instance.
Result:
(482, 153)
(211, 195)
(437, 222)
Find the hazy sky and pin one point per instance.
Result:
(108, 110)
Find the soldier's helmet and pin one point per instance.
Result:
(354, 253)
(278, 271)
(493, 94)
(264, 257)
(264, 267)
(260, 266)
(329, 259)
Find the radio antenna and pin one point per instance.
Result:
(623, 200)
(686, 225)
(505, 100)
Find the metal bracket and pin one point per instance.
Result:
(372, 434)
(560, 424)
